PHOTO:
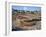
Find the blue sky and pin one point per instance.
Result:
(30, 8)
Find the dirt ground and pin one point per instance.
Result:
(17, 25)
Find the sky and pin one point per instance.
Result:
(29, 8)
